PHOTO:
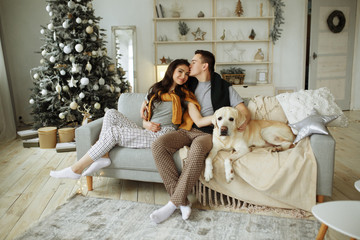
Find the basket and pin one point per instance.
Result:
(47, 137)
(234, 78)
(66, 134)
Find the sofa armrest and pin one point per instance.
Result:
(86, 136)
(323, 147)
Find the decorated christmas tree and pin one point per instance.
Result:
(75, 76)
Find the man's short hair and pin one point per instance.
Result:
(207, 57)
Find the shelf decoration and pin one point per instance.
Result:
(259, 56)
(235, 53)
(275, 32)
(201, 14)
(252, 34)
(199, 34)
(223, 36)
(176, 9)
(234, 75)
(261, 76)
(163, 60)
(239, 9)
(183, 30)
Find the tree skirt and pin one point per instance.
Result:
(96, 218)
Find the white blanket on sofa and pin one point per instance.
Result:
(284, 179)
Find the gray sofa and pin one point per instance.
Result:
(138, 164)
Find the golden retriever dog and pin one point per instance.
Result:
(258, 133)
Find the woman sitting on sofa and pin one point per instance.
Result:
(165, 103)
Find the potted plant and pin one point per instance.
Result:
(183, 30)
(234, 75)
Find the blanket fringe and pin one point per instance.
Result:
(214, 199)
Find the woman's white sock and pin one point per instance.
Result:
(65, 173)
(97, 165)
(163, 213)
(185, 212)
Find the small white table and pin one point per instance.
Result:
(342, 216)
(357, 185)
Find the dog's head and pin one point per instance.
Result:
(226, 120)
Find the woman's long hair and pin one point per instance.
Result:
(166, 83)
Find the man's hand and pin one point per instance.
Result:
(144, 110)
(151, 126)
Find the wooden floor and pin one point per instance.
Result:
(27, 193)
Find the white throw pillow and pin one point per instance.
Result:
(298, 105)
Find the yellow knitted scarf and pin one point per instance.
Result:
(177, 117)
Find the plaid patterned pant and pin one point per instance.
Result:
(119, 130)
(178, 185)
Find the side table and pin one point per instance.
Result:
(342, 216)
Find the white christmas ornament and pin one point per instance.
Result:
(117, 89)
(61, 45)
(73, 105)
(42, 61)
(62, 72)
(42, 31)
(65, 88)
(93, 38)
(97, 105)
(94, 53)
(79, 47)
(101, 81)
(58, 88)
(84, 81)
(51, 14)
(89, 29)
(88, 67)
(61, 115)
(75, 68)
(72, 58)
(71, 4)
(65, 24)
(48, 8)
(91, 21)
(31, 101)
(89, 5)
(44, 92)
(67, 49)
(96, 87)
(81, 95)
(52, 59)
(72, 82)
(43, 52)
(50, 26)
(36, 76)
(78, 20)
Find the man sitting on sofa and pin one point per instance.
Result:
(212, 93)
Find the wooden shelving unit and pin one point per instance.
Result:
(236, 50)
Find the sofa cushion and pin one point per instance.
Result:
(129, 104)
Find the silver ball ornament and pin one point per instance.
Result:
(81, 95)
(97, 105)
(96, 87)
(84, 81)
(31, 101)
(73, 105)
(79, 48)
(61, 115)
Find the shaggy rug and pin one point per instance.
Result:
(95, 218)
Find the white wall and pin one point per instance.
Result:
(21, 21)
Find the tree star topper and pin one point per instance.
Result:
(199, 35)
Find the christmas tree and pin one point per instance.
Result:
(75, 76)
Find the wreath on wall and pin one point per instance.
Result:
(341, 24)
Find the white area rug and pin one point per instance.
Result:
(94, 218)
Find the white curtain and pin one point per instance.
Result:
(7, 122)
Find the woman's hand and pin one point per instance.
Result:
(151, 126)
(144, 110)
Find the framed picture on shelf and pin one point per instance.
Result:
(261, 76)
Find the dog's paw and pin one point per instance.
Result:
(229, 176)
(208, 174)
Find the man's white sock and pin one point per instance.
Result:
(185, 212)
(163, 213)
(65, 173)
(97, 165)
